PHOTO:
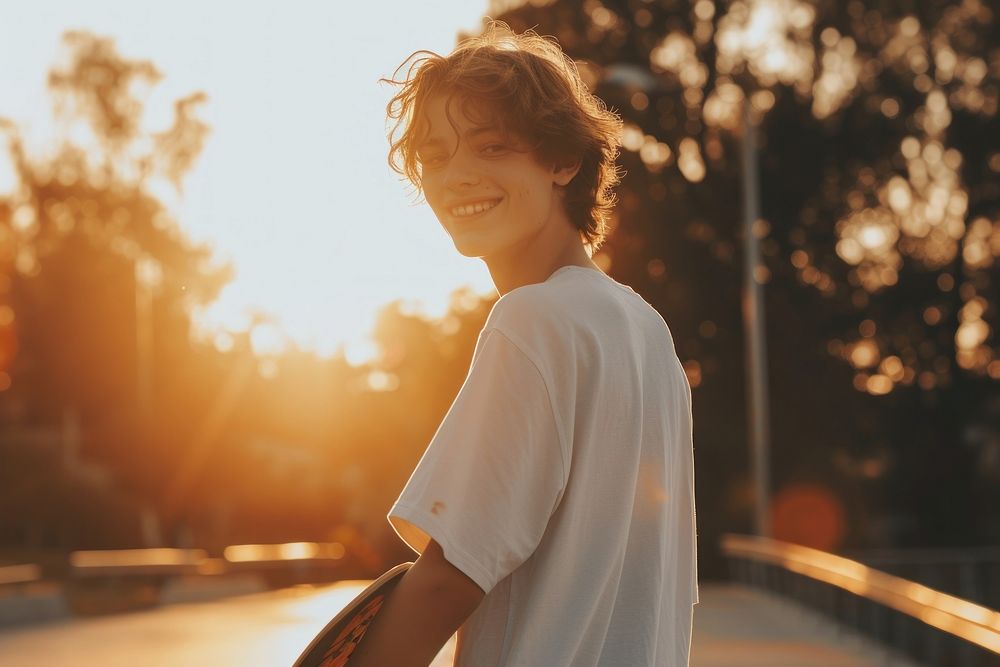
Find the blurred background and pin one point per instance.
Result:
(225, 322)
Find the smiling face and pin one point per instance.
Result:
(489, 192)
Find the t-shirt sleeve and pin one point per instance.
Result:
(493, 473)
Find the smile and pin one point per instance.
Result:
(473, 209)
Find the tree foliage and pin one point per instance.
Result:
(878, 145)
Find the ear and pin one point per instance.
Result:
(564, 173)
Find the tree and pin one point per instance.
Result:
(878, 137)
(224, 444)
(95, 263)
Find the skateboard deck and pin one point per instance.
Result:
(335, 643)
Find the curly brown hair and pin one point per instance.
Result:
(526, 85)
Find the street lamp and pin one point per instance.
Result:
(758, 412)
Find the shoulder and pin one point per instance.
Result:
(540, 323)
(525, 301)
(525, 312)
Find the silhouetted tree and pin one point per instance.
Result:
(878, 147)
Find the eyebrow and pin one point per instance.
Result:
(437, 141)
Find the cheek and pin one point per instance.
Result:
(520, 189)
(431, 192)
(529, 197)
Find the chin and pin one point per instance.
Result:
(471, 251)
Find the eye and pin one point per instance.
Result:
(432, 161)
(494, 149)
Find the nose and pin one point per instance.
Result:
(460, 172)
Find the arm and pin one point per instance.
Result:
(422, 612)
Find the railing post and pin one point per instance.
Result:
(932, 645)
(836, 596)
(968, 580)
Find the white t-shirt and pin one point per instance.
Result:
(561, 481)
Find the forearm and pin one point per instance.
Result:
(415, 621)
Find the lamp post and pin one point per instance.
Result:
(147, 274)
(758, 409)
(144, 335)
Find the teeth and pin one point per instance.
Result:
(471, 209)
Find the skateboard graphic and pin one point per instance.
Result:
(334, 644)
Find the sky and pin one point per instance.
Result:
(293, 186)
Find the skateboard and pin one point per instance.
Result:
(335, 643)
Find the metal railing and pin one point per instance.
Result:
(972, 574)
(109, 580)
(19, 574)
(927, 624)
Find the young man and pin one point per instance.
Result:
(553, 510)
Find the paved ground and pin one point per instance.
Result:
(262, 629)
(734, 627)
